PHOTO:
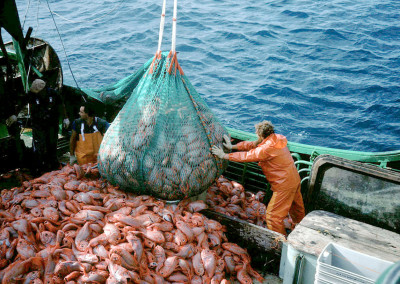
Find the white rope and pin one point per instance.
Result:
(173, 44)
(162, 22)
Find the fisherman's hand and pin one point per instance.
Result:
(217, 151)
(227, 144)
(72, 159)
(11, 120)
(66, 123)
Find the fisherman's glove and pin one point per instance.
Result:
(66, 123)
(72, 159)
(217, 151)
(227, 144)
(11, 120)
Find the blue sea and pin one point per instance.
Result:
(325, 72)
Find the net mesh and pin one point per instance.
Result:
(159, 143)
(117, 94)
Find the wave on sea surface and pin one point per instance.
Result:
(325, 73)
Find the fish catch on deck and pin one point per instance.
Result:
(70, 226)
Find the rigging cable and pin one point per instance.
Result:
(30, 62)
(26, 13)
(62, 43)
(33, 46)
(89, 21)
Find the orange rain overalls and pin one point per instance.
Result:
(88, 146)
(277, 164)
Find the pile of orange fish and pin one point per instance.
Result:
(70, 226)
(230, 198)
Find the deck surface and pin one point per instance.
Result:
(319, 228)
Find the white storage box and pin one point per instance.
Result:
(337, 264)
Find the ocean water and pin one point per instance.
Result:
(325, 72)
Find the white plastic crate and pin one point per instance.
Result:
(337, 264)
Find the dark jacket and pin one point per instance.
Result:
(45, 110)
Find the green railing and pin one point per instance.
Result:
(304, 155)
(369, 157)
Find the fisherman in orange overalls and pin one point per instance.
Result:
(276, 162)
(86, 137)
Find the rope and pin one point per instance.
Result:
(62, 43)
(89, 21)
(154, 63)
(30, 59)
(201, 118)
(30, 64)
(37, 18)
(26, 13)
(173, 44)
(162, 22)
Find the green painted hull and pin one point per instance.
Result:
(304, 149)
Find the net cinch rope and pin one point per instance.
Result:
(159, 143)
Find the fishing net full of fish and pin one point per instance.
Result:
(159, 143)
